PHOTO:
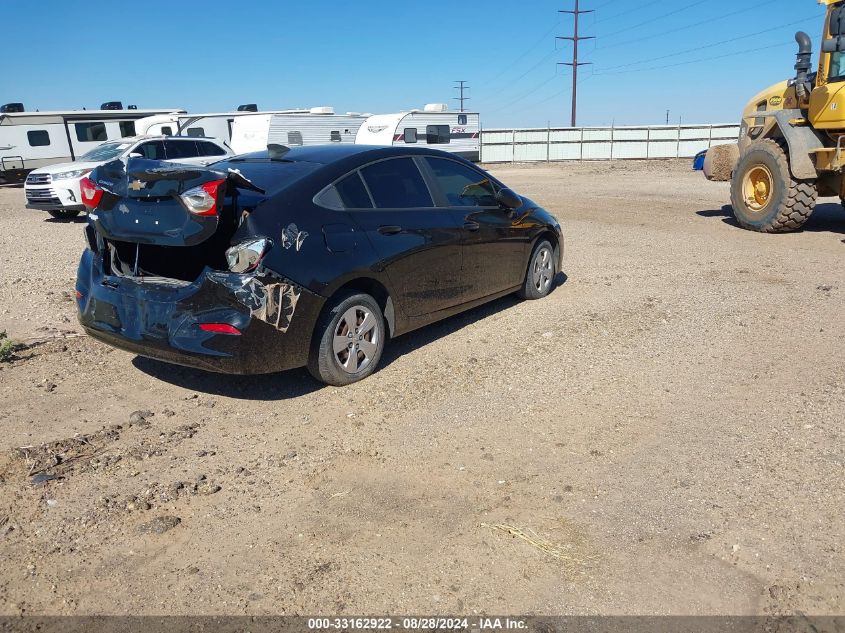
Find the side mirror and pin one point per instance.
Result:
(136, 155)
(508, 199)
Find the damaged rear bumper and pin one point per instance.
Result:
(160, 318)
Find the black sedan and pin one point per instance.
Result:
(308, 256)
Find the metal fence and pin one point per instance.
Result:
(602, 143)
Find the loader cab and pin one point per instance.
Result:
(827, 101)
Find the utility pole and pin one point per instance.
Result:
(575, 38)
(461, 87)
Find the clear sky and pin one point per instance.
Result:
(700, 59)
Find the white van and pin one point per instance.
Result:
(55, 189)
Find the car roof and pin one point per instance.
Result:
(161, 137)
(326, 154)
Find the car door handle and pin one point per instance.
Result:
(389, 230)
(472, 226)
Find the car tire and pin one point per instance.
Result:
(765, 197)
(540, 276)
(60, 214)
(350, 315)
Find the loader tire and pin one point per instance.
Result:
(764, 195)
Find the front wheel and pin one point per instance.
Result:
(349, 340)
(541, 272)
(61, 214)
(764, 195)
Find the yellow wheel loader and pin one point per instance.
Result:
(791, 140)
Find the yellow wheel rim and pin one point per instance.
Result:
(757, 187)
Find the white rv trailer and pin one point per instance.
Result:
(29, 140)
(315, 126)
(434, 126)
(217, 125)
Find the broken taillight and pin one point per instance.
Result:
(203, 200)
(246, 256)
(220, 328)
(91, 193)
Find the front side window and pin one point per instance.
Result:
(396, 184)
(294, 138)
(196, 131)
(180, 149)
(94, 132)
(38, 138)
(410, 135)
(462, 185)
(437, 134)
(154, 150)
(127, 128)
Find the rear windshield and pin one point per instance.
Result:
(271, 175)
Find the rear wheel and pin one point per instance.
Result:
(349, 340)
(541, 272)
(61, 214)
(764, 195)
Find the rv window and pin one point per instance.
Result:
(294, 138)
(462, 119)
(396, 184)
(154, 150)
(196, 131)
(210, 149)
(352, 192)
(437, 134)
(91, 132)
(38, 138)
(127, 128)
(167, 130)
(410, 135)
(462, 185)
(335, 136)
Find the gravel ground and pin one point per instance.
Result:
(662, 435)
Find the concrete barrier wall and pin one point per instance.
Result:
(608, 143)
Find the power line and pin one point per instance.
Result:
(633, 27)
(461, 87)
(516, 60)
(704, 46)
(623, 13)
(575, 38)
(689, 26)
(694, 61)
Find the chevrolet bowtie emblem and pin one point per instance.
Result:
(136, 185)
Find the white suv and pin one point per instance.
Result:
(55, 189)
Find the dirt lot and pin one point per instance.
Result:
(667, 427)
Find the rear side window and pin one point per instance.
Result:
(196, 131)
(127, 128)
(410, 135)
(209, 149)
(38, 138)
(180, 149)
(352, 192)
(437, 134)
(91, 132)
(462, 186)
(396, 184)
(154, 150)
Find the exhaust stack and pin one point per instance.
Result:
(803, 65)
